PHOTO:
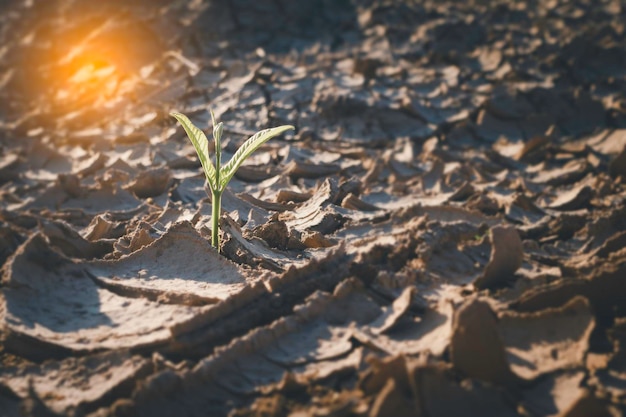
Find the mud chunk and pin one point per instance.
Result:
(135, 240)
(299, 169)
(476, 348)
(555, 393)
(85, 381)
(392, 401)
(8, 167)
(275, 234)
(590, 405)
(254, 252)
(354, 203)
(438, 393)
(548, 340)
(10, 239)
(409, 387)
(71, 185)
(604, 288)
(574, 199)
(151, 183)
(506, 257)
(395, 312)
(103, 227)
(381, 371)
(71, 243)
(314, 239)
(617, 166)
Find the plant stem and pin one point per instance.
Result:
(216, 197)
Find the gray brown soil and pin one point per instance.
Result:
(444, 233)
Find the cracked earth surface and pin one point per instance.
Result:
(444, 233)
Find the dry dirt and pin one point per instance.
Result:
(444, 234)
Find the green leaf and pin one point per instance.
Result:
(249, 146)
(218, 129)
(201, 144)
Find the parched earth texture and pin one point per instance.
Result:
(443, 234)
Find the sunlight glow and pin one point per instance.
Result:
(91, 73)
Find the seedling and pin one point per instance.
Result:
(218, 176)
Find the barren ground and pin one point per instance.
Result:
(444, 234)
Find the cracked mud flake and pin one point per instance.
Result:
(142, 235)
(506, 257)
(555, 394)
(441, 394)
(241, 209)
(392, 314)
(430, 333)
(450, 253)
(65, 238)
(406, 387)
(521, 209)
(180, 266)
(389, 380)
(604, 288)
(590, 404)
(190, 189)
(254, 251)
(319, 213)
(350, 304)
(299, 169)
(610, 142)
(173, 212)
(103, 227)
(51, 307)
(324, 369)
(476, 348)
(611, 375)
(617, 167)
(352, 118)
(8, 167)
(47, 162)
(150, 183)
(49, 196)
(542, 342)
(313, 343)
(102, 199)
(491, 128)
(10, 240)
(76, 385)
(569, 173)
(576, 198)
(247, 374)
(515, 345)
(432, 113)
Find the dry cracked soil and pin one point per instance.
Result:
(444, 233)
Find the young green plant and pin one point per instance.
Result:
(218, 176)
